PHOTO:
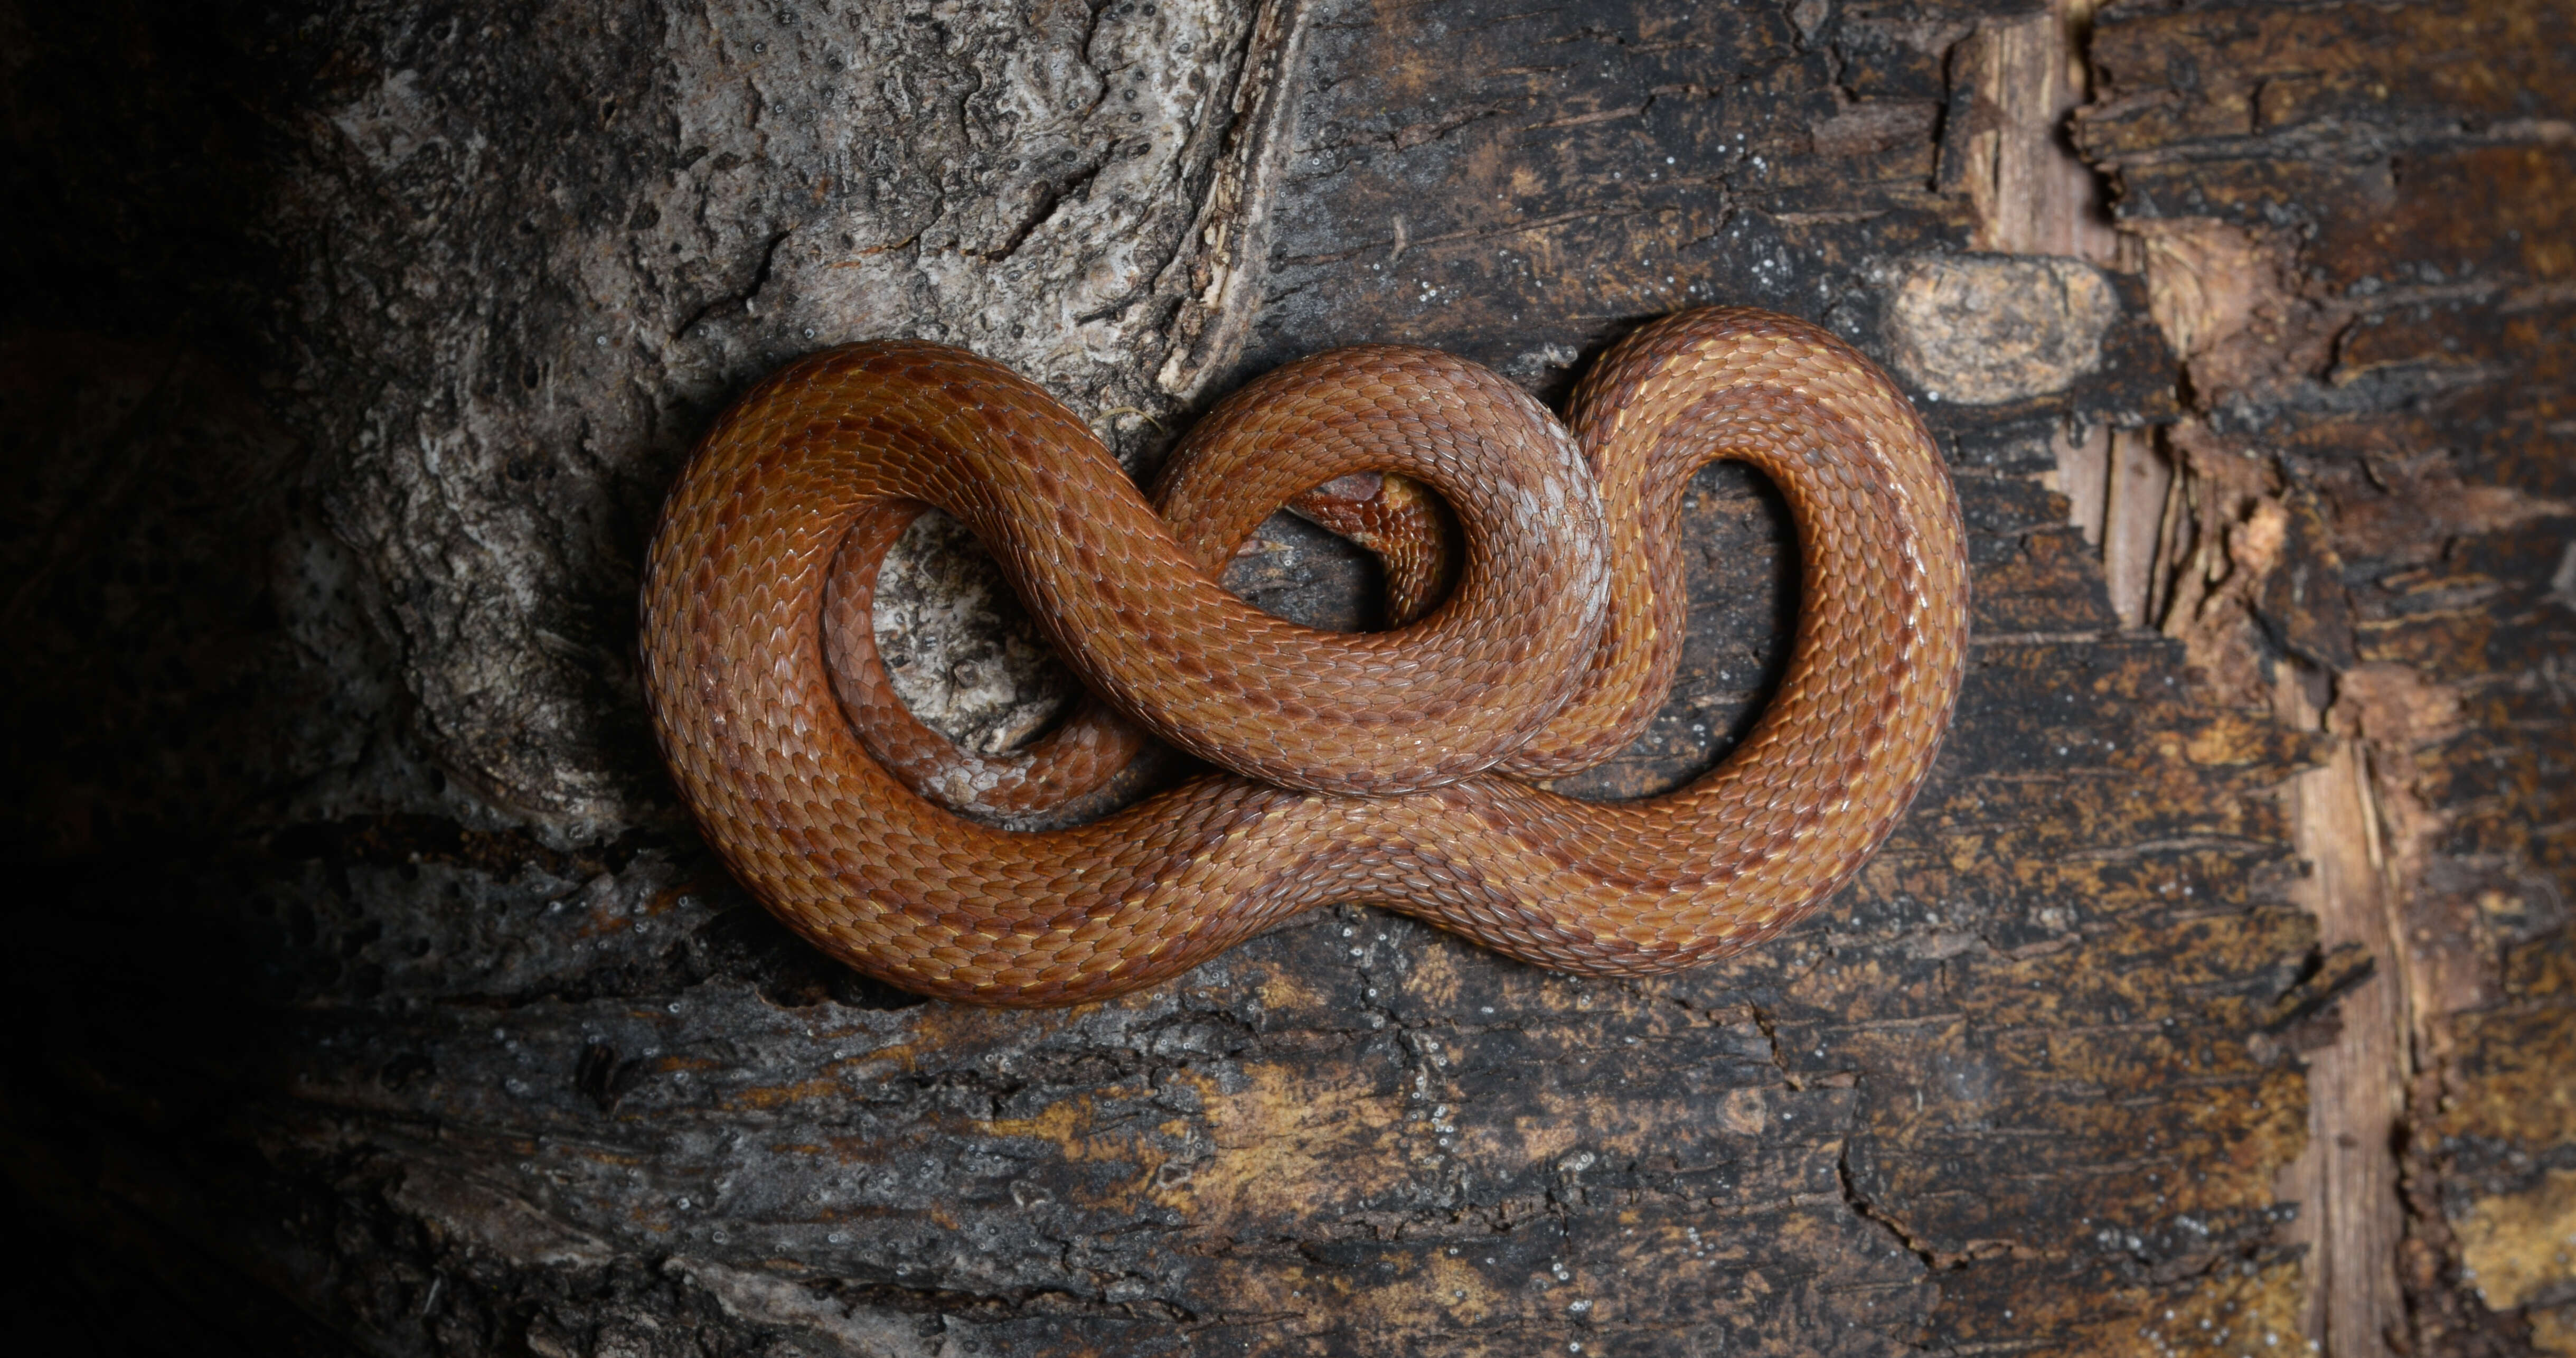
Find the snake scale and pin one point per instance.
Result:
(1399, 768)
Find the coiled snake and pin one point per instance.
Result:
(1391, 768)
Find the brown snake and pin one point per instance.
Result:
(1361, 758)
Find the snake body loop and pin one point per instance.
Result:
(1552, 651)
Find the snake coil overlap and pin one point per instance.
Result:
(1394, 768)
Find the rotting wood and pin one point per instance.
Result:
(2032, 196)
(2308, 527)
(2137, 499)
(2348, 1175)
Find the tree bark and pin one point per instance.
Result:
(374, 993)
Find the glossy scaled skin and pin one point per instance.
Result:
(1061, 772)
(923, 898)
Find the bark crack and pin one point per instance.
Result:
(743, 296)
(1869, 1211)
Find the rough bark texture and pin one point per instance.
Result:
(373, 995)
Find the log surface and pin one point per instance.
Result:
(372, 994)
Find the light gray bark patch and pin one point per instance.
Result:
(1986, 330)
(605, 224)
(961, 651)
